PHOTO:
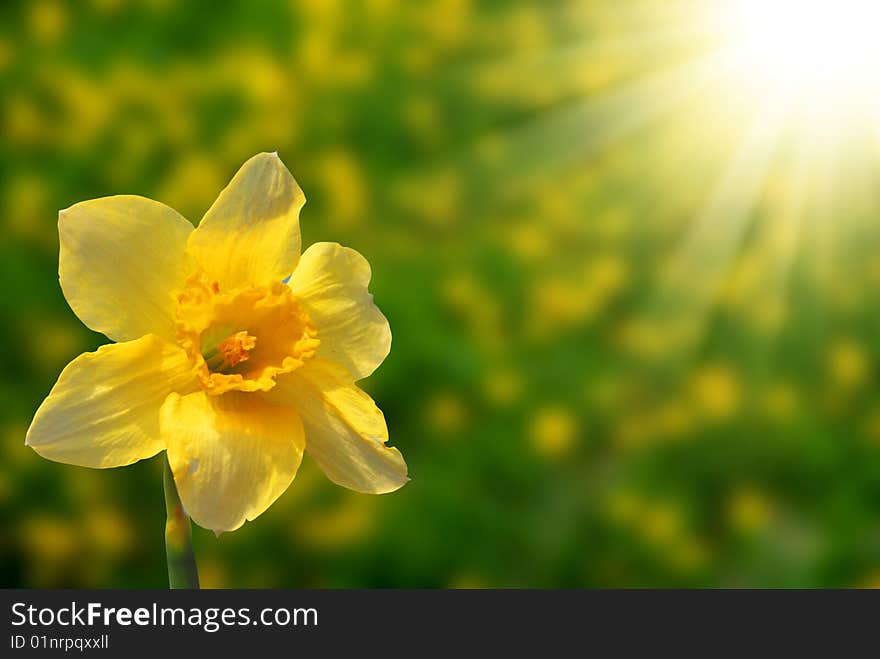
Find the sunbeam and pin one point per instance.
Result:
(701, 263)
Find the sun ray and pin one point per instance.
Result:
(697, 269)
(578, 129)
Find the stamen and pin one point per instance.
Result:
(230, 352)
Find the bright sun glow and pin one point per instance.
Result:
(767, 130)
(820, 51)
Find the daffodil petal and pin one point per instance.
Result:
(345, 431)
(232, 455)
(122, 261)
(331, 281)
(251, 233)
(104, 409)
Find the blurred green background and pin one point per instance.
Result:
(635, 323)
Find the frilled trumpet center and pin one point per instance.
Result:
(242, 339)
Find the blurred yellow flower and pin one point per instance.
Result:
(780, 400)
(663, 522)
(871, 427)
(345, 524)
(673, 419)
(27, 198)
(503, 387)
(212, 574)
(109, 530)
(49, 539)
(749, 510)
(50, 345)
(446, 413)
(438, 209)
(553, 431)
(234, 353)
(6, 53)
(716, 391)
(47, 20)
(848, 363)
(347, 191)
(189, 183)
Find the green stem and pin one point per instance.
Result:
(182, 572)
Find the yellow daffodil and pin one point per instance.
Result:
(234, 352)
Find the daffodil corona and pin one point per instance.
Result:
(234, 352)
